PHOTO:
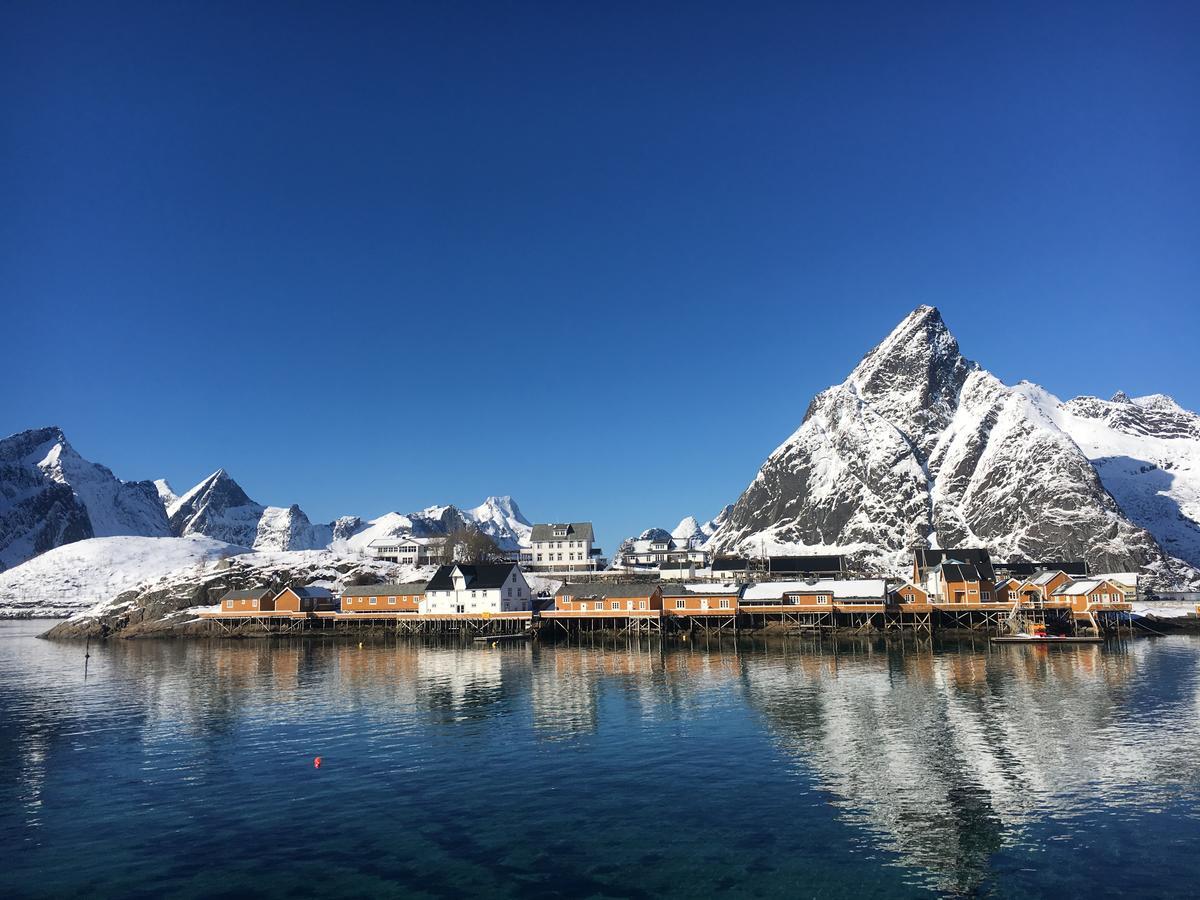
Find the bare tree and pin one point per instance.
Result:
(469, 545)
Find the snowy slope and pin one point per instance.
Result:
(80, 574)
(1147, 453)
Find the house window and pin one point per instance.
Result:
(374, 601)
(641, 604)
(725, 604)
(510, 592)
(391, 601)
(681, 604)
(229, 604)
(985, 595)
(614, 605)
(822, 600)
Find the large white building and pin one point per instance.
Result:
(408, 550)
(563, 547)
(480, 588)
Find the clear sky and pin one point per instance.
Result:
(597, 256)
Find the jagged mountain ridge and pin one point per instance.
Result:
(921, 442)
(51, 496)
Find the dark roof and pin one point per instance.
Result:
(479, 576)
(608, 589)
(730, 564)
(576, 531)
(977, 556)
(1024, 569)
(312, 593)
(386, 590)
(805, 563)
(962, 572)
(256, 594)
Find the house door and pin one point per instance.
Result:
(960, 597)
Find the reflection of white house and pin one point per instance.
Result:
(465, 589)
(408, 550)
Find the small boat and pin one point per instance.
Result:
(1046, 639)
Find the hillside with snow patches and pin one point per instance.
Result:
(921, 443)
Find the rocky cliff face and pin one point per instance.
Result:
(920, 442)
(50, 495)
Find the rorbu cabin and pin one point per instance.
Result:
(609, 598)
(395, 598)
(958, 583)
(816, 596)
(909, 595)
(699, 600)
(1092, 595)
(305, 600)
(252, 602)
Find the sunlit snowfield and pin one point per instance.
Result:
(778, 769)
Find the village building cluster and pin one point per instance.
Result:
(686, 584)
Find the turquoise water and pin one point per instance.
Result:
(762, 769)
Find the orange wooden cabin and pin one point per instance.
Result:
(247, 603)
(679, 601)
(404, 597)
(304, 600)
(1092, 596)
(609, 598)
(910, 595)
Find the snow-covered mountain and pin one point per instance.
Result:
(50, 495)
(696, 533)
(498, 517)
(920, 442)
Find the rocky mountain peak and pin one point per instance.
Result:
(1120, 397)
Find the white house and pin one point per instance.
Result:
(490, 588)
(564, 547)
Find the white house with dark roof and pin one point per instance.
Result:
(563, 547)
(472, 589)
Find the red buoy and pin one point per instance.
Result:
(317, 763)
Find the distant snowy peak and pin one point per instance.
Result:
(1156, 415)
(697, 533)
(500, 519)
(165, 493)
(218, 508)
(50, 496)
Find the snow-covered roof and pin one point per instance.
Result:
(1045, 577)
(1075, 588)
(864, 589)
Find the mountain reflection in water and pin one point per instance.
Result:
(757, 768)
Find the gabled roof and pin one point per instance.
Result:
(386, 590)
(312, 593)
(576, 531)
(1044, 578)
(479, 576)
(958, 571)
(1086, 586)
(255, 594)
(607, 589)
(977, 556)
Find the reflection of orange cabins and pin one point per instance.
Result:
(243, 603)
(304, 599)
(404, 597)
(608, 598)
(699, 601)
(1093, 596)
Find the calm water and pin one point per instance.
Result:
(782, 769)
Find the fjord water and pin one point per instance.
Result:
(781, 768)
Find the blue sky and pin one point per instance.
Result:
(378, 256)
